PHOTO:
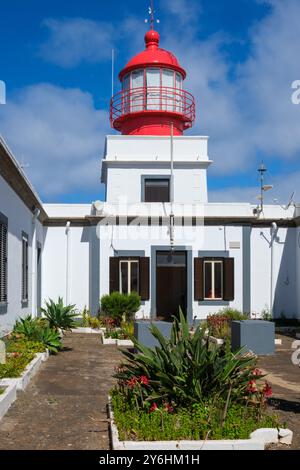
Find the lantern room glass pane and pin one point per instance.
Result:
(137, 97)
(126, 90)
(168, 90)
(178, 96)
(153, 89)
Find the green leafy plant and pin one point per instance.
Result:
(116, 305)
(24, 345)
(184, 370)
(60, 316)
(15, 364)
(88, 321)
(197, 422)
(37, 330)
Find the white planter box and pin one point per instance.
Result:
(30, 371)
(257, 441)
(125, 343)
(89, 331)
(7, 397)
(217, 341)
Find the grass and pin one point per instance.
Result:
(199, 422)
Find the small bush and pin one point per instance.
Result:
(15, 364)
(120, 306)
(37, 330)
(219, 324)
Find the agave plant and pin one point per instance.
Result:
(37, 329)
(60, 316)
(185, 369)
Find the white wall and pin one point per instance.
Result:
(55, 265)
(297, 247)
(284, 286)
(19, 220)
(204, 239)
(189, 184)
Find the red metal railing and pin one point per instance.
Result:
(153, 99)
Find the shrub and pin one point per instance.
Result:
(60, 316)
(117, 306)
(24, 345)
(37, 330)
(88, 321)
(219, 324)
(184, 370)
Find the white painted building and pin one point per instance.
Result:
(155, 232)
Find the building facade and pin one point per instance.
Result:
(155, 232)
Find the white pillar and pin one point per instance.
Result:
(34, 264)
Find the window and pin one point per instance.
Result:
(24, 267)
(3, 260)
(157, 190)
(129, 276)
(213, 280)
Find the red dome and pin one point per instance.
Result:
(153, 55)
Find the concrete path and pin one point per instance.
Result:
(284, 378)
(64, 407)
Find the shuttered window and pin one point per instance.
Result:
(128, 275)
(24, 268)
(3, 261)
(214, 279)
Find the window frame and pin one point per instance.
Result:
(25, 269)
(213, 262)
(156, 178)
(4, 260)
(129, 262)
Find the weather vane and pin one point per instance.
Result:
(152, 15)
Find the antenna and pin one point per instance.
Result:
(112, 72)
(263, 188)
(152, 16)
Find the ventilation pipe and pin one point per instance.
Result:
(35, 217)
(274, 229)
(68, 260)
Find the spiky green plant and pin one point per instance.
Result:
(60, 316)
(37, 329)
(184, 369)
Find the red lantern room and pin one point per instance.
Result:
(152, 95)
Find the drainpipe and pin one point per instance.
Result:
(172, 217)
(274, 229)
(68, 258)
(33, 264)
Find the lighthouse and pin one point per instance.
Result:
(152, 95)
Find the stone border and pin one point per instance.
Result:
(7, 398)
(126, 343)
(258, 440)
(30, 371)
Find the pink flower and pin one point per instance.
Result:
(169, 408)
(257, 372)
(132, 382)
(267, 390)
(144, 380)
(154, 407)
(252, 387)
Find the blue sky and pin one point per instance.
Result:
(241, 57)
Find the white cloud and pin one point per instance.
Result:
(60, 134)
(75, 40)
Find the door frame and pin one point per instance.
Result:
(189, 268)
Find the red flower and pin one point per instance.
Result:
(132, 382)
(169, 408)
(257, 372)
(144, 380)
(154, 407)
(252, 387)
(267, 390)
(16, 354)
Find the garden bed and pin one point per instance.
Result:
(257, 440)
(7, 396)
(29, 372)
